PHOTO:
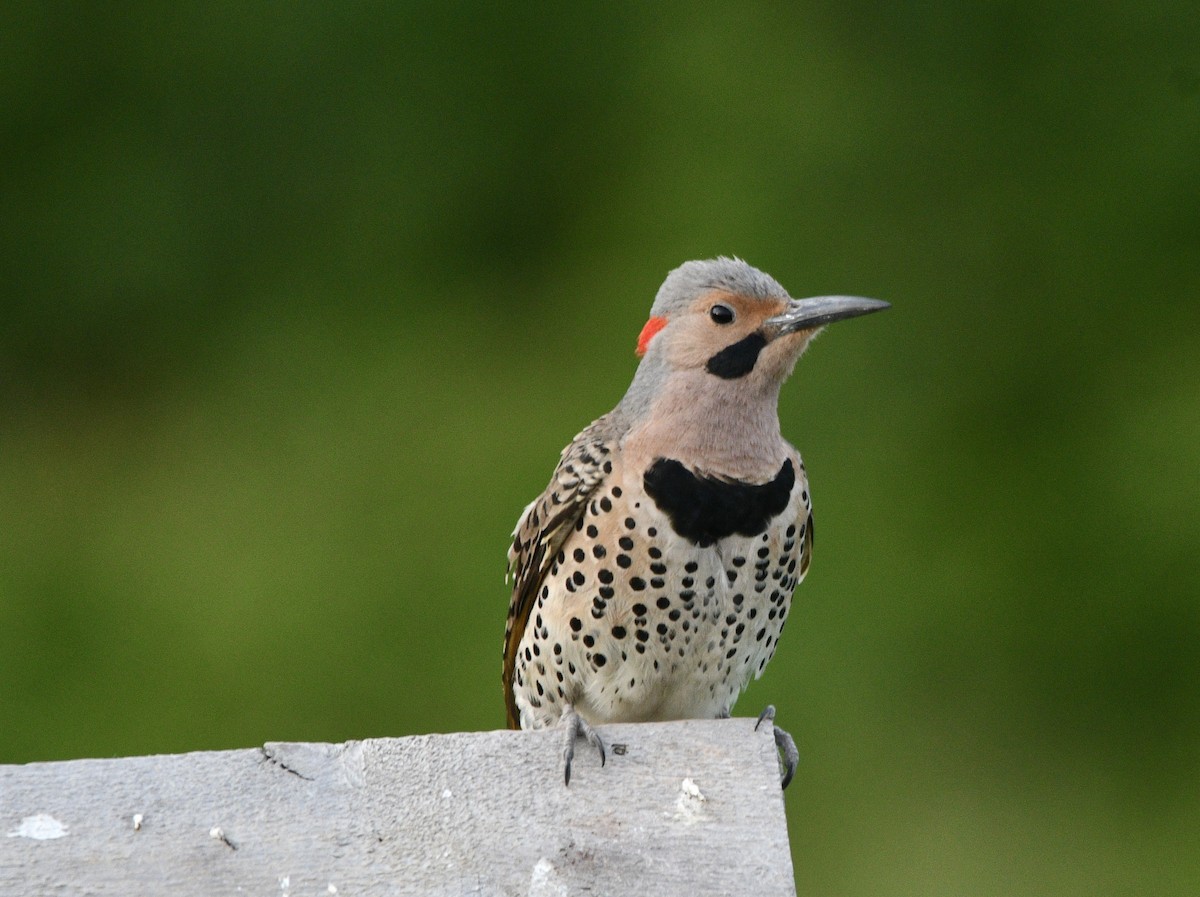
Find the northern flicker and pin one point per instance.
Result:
(653, 576)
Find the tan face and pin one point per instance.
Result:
(723, 333)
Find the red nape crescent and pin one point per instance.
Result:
(648, 333)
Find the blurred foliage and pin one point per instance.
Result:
(302, 300)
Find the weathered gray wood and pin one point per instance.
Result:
(688, 808)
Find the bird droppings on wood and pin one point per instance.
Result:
(218, 834)
(40, 827)
(545, 881)
(688, 806)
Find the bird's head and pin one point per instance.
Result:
(732, 322)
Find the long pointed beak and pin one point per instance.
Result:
(808, 314)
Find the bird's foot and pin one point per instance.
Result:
(575, 727)
(784, 742)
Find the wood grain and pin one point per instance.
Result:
(682, 808)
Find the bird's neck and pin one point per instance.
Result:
(721, 428)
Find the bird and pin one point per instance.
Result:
(652, 578)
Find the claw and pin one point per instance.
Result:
(784, 742)
(768, 715)
(575, 726)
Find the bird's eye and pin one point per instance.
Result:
(721, 314)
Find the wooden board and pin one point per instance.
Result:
(684, 808)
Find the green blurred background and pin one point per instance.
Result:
(301, 301)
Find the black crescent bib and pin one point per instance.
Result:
(703, 509)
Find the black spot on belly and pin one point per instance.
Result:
(704, 510)
(737, 360)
